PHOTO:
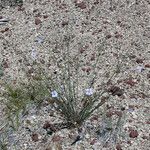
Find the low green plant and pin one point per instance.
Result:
(15, 102)
(63, 89)
(18, 97)
(69, 99)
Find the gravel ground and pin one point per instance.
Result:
(40, 25)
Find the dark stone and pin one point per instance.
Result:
(133, 134)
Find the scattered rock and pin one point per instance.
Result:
(129, 142)
(35, 10)
(45, 16)
(93, 141)
(139, 60)
(56, 138)
(35, 137)
(148, 75)
(5, 30)
(147, 122)
(118, 22)
(96, 2)
(145, 137)
(109, 114)
(147, 65)
(88, 69)
(5, 64)
(118, 147)
(123, 108)
(130, 82)
(20, 8)
(64, 23)
(83, 69)
(93, 57)
(109, 107)
(108, 36)
(94, 118)
(133, 133)
(132, 56)
(46, 125)
(81, 50)
(81, 4)
(118, 113)
(116, 91)
(118, 36)
(37, 21)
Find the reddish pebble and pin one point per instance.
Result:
(94, 118)
(81, 5)
(147, 122)
(93, 142)
(129, 142)
(21, 8)
(147, 65)
(93, 57)
(64, 23)
(148, 75)
(119, 22)
(96, 2)
(133, 133)
(131, 82)
(46, 125)
(108, 36)
(37, 21)
(6, 29)
(115, 90)
(45, 16)
(139, 60)
(118, 36)
(81, 50)
(83, 69)
(88, 69)
(109, 114)
(118, 147)
(56, 138)
(5, 64)
(34, 137)
(118, 113)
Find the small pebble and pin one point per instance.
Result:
(35, 137)
(37, 21)
(133, 134)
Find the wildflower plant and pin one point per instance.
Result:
(73, 93)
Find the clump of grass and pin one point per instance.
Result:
(75, 102)
(18, 96)
(15, 102)
(71, 96)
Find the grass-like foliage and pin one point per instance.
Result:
(72, 93)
